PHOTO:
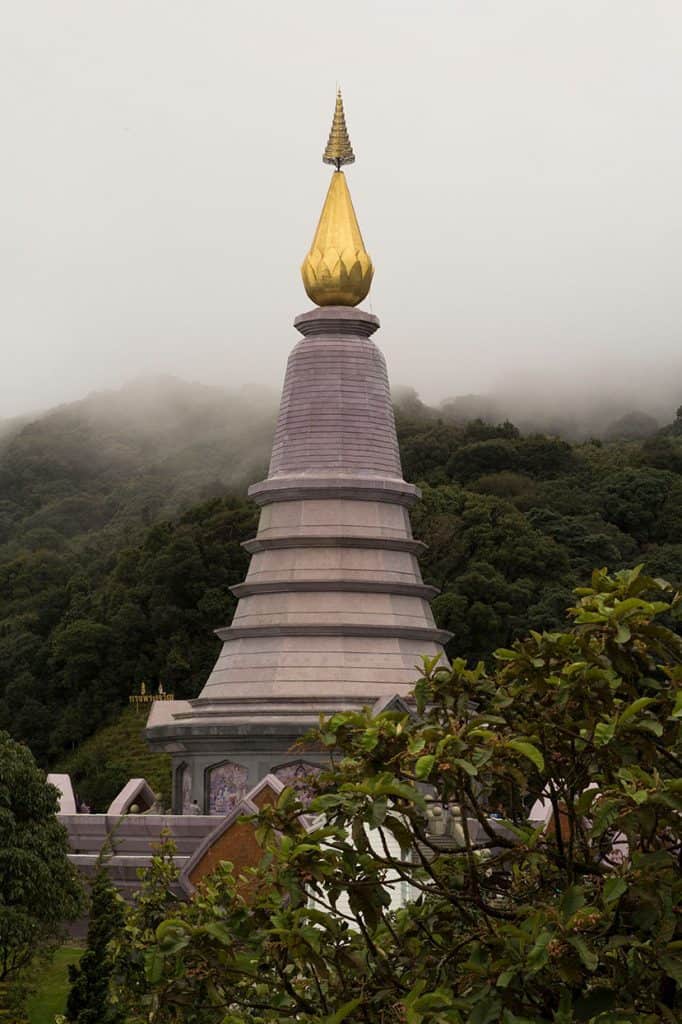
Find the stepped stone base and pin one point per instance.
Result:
(132, 838)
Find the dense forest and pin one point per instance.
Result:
(122, 517)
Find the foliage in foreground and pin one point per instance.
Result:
(88, 1001)
(575, 921)
(39, 890)
(134, 957)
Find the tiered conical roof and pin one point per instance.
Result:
(339, 150)
(333, 612)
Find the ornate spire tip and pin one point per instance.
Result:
(337, 270)
(339, 150)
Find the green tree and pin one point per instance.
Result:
(478, 430)
(632, 500)
(574, 917)
(134, 958)
(545, 457)
(424, 451)
(89, 1000)
(39, 889)
(587, 539)
(491, 565)
(662, 451)
(482, 458)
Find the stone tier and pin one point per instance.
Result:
(132, 840)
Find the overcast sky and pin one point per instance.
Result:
(518, 184)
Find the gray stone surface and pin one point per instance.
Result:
(336, 411)
(135, 791)
(132, 838)
(333, 612)
(67, 797)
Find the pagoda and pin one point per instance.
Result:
(333, 613)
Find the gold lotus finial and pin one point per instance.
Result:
(338, 271)
(339, 150)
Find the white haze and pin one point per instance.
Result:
(517, 182)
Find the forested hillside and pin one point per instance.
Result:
(121, 520)
(103, 583)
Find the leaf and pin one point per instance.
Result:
(606, 813)
(588, 958)
(400, 789)
(220, 932)
(650, 725)
(604, 732)
(400, 831)
(632, 709)
(429, 663)
(623, 633)
(537, 957)
(415, 992)
(677, 709)
(325, 802)
(631, 604)
(172, 935)
(672, 967)
(153, 966)
(529, 751)
(342, 1012)
(505, 654)
(369, 739)
(378, 812)
(485, 1011)
(424, 766)
(614, 889)
(585, 801)
(652, 861)
(286, 799)
(572, 900)
(421, 694)
(359, 835)
(434, 1002)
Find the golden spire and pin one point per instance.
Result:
(339, 150)
(337, 271)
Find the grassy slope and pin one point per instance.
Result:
(122, 744)
(53, 987)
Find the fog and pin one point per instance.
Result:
(517, 184)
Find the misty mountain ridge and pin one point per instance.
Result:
(153, 416)
(150, 419)
(157, 415)
(576, 418)
(117, 460)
